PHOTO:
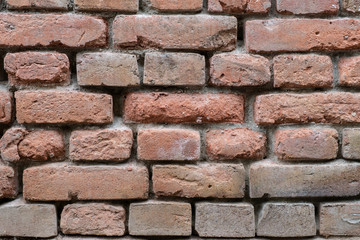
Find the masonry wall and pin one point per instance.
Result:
(169, 119)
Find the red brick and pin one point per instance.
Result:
(64, 182)
(231, 144)
(63, 107)
(351, 143)
(349, 74)
(101, 145)
(239, 70)
(168, 144)
(176, 5)
(38, 4)
(108, 5)
(306, 144)
(198, 32)
(27, 68)
(280, 35)
(239, 6)
(303, 71)
(352, 6)
(333, 107)
(201, 181)
(311, 7)
(8, 182)
(49, 30)
(164, 107)
(6, 106)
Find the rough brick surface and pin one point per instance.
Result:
(306, 144)
(225, 220)
(349, 74)
(292, 220)
(302, 35)
(202, 181)
(63, 107)
(107, 69)
(303, 71)
(38, 4)
(50, 30)
(352, 6)
(231, 144)
(162, 107)
(174, 69)
(239, 70)
(338, 179)
(351, 143)
(168, 144)
(5, 106)
(93, 219)
(333, 107)
(199, 32)
(310, 7)
(26, 68)
(101, 145)
(63, 182)
(160, 219)
(176, 5)
(239, 6)
(108, 5)
(8, 182)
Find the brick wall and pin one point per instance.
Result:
(190, 119)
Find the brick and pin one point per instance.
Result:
(174, 69)
(131, 6)
(352, 6)
(292, 220)
(339, 219)
(202, 181)
(8, 183)
(37, 68)
(232, 144)
(349, 75)
(93, 219)
(306, 144)
(176, 6)
(309, 7)
(64, 182)
(168, 144)
(63, 107)
(225, 220)
(6, 106)
(52, 30)
(303, 71)
(198, 32)
(239, 7)
(160, 219)
(107, 69)
(239, 70)
(332, 107)
(19, 219)
(302, 35)
(351, 143)
(38, 4)
(162, 107)
(337, 179)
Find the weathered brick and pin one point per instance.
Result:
(239, 70)
(351, 143)
(287, 220)
(339, 219)
(310, 7)
(174, 69)
(271, 179)
(50, 30)
(63, 182)
(8, 183)
(349, 74)
(19, 219)
(280, 35)
(176, 5)
(202, 181)
(306, 144)
(352, 6)
(107, 69)
(38, 4)
(5, 106)
(303, 71)
(332, 107)
(101, 145)
(168, 144)
(239, 6)
(238, 143)
(199, 32)
(63, 107)
(225, 220)
(93, 219)
(27, 68)
(108, 5)
(160, 219)
(165, 107)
